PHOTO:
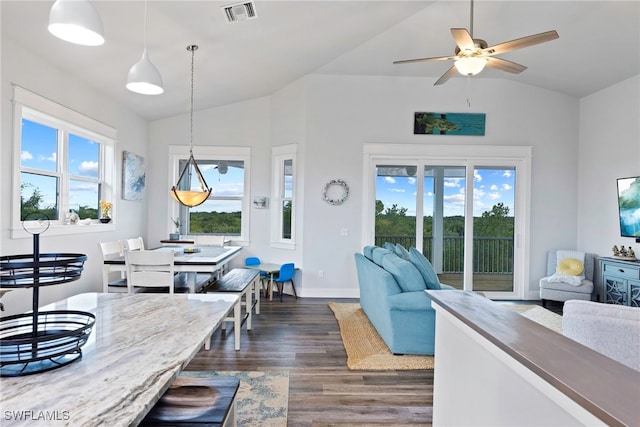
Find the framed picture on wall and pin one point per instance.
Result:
(133, 176)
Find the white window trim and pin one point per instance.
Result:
(278, 155)
(36, 106)
(470, 156)
(181, 152)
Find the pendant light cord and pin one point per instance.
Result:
(193, 49)
(145, 24)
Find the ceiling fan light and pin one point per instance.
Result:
(470, 65)
(144, 77)
(76, 21)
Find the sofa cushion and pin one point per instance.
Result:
(425, 269)
(402, 252)
(378, 254)
(368, 251)
(390, 246)
(405, 273)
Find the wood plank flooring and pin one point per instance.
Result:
(302, 336)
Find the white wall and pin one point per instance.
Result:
(609, 149)
(24, 69)
(344, 112)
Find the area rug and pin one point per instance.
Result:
(539, 315)
(262, 398)
(365, 349)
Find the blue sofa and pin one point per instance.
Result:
(392, 281)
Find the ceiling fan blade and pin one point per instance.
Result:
(446, 76)
(521, 42)
(504, 65)
(435, 58)
(463, 38)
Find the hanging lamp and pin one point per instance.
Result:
(144, 78)
(76, 21)
(182, 192)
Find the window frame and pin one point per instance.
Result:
(31, 106)
(279, 155)
(181, 152)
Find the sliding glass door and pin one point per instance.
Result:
(461, 214)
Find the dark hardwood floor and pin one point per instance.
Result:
(302, 337)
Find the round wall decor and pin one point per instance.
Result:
(335, 192)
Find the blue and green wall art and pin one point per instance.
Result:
(449, 124)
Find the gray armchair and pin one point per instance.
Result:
(560, 291)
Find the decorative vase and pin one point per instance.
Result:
(105, 220)
(174, 236)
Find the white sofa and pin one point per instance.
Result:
(613, 330)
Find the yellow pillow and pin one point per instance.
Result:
(570, 267)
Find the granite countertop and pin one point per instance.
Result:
(139, 344)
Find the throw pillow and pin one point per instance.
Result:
(390, 246)
(569, 268)
(402, 252)
(425, 268)
(405, 273)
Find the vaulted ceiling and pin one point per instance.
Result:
(599, 44)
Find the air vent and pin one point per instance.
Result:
(239, 11)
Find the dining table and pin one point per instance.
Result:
(137, 347)
(191, 259)
(270, 269)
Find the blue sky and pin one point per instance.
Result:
(39, 151)
(490, 187)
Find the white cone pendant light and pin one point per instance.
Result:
(144, 77)
(76, 21)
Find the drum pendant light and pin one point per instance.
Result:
(182, 192)
(144, 78)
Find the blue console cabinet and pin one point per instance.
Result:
(620, 281)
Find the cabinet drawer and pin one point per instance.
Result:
(621, 271)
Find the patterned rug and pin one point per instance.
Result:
(262, 398)
(367, 351)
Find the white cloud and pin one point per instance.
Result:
(477, 176)
(52, 157)
(493, 187)
(389, 180)
(411, 180)
(88, 168)
(25, 155)
(493, 196)
(507, 174)
(506, 187)
(397, 190)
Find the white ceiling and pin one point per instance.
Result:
(599, 44)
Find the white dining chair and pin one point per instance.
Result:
(150, 270)
(135, 244)
(111, 250)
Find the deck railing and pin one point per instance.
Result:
(491, 255)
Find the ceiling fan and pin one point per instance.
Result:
(472, 55)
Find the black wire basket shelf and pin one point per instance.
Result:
(41, 341)
(59, 336)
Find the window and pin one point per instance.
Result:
(225, 212)
(283, 206)
(65, 162)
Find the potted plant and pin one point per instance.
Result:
(105, 211)
(176, 235)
